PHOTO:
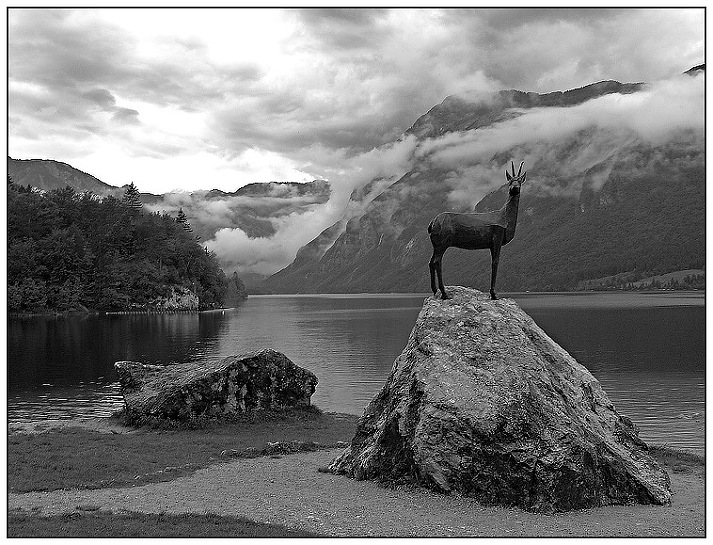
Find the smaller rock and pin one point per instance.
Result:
(265, 379)
(290, 447)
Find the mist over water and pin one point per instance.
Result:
(647, 350)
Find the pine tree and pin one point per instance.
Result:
(183, 220)
(132, 198)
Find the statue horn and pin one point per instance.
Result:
(520, 169)
(513, 167)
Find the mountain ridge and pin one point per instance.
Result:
(380, 244)
(48, 174)
(576, 214)
(453, 113)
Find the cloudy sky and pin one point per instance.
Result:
(187, 100)
(217, 98)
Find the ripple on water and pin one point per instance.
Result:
(99, 401)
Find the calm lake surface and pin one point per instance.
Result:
(647, 350)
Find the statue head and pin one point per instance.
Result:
(516, 180)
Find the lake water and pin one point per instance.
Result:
(647, 350)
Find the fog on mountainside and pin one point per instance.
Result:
(616, 179)
(615, 185)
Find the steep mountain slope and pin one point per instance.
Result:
(601, 199)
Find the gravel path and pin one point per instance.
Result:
(290, 491)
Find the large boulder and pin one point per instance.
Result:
(265, 379)
(482, 402)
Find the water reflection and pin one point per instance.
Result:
(647, 351)
(62, 403)
(349, 343)
(67, 350)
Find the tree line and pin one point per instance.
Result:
(77, 251)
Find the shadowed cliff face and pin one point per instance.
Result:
(482, 402)
(607, 192)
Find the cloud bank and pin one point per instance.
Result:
(216, 98)
(663, 111)
(196, 99)
(379, 167)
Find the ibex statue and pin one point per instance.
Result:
(476, 232)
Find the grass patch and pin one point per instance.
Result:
(106, 524)
(162, 451)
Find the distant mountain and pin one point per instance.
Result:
(251, 207)
(464, 112)
(603, 201)
(47, 174)
(254, 206)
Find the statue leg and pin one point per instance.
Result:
(435, 266)
(439, 272)
(495, 255)
(432, 268)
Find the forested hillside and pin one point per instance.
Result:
(69, 251)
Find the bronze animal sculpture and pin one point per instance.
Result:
(476, 231)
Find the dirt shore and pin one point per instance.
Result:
(288, 490)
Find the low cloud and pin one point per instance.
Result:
(148, 92)
(474, 162)
(467, 186)
(657, 113)
(366, 174)
(210, 212)
(196, 99)
(266, 255)
(292, 217)
(661, 112)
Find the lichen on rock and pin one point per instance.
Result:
(482, 402)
